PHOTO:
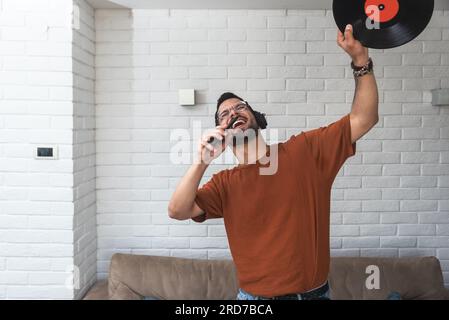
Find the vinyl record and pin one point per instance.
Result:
(383, 24)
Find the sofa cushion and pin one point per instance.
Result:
(138, 276)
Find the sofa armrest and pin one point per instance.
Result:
(99, 291)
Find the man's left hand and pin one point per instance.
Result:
(353, 47)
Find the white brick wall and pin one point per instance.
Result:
(36, 208)
(84, 228)
(47, 208)
(389, 200)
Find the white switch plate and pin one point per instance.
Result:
(440, 97)
(49, 152)
(187, 97)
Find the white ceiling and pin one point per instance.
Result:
(226, 4)
(104, 4)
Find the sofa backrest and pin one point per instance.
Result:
(138, 276)
(411, 277)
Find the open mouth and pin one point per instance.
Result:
(240, 122)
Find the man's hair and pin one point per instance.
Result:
(225, 96)
(260, 117)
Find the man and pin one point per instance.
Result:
(278, 225)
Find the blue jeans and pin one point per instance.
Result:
(243, 295)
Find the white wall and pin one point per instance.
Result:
(47, 207)
(391, 199)
(85, 226)
(36, 216)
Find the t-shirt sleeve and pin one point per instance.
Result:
(208, 198)
(330, 146)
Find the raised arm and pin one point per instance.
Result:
(364, 113)
(182, 205)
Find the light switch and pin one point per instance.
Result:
(47, 152)
(187, 97)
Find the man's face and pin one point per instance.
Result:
(230, 109)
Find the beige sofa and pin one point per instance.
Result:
(137, 276)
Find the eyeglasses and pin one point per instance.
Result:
(242, 105)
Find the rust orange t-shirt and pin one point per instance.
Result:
(278, 225)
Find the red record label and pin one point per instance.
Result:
(381, 10)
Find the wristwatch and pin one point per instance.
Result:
(363, 70)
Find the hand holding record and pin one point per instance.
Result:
(353, 47)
